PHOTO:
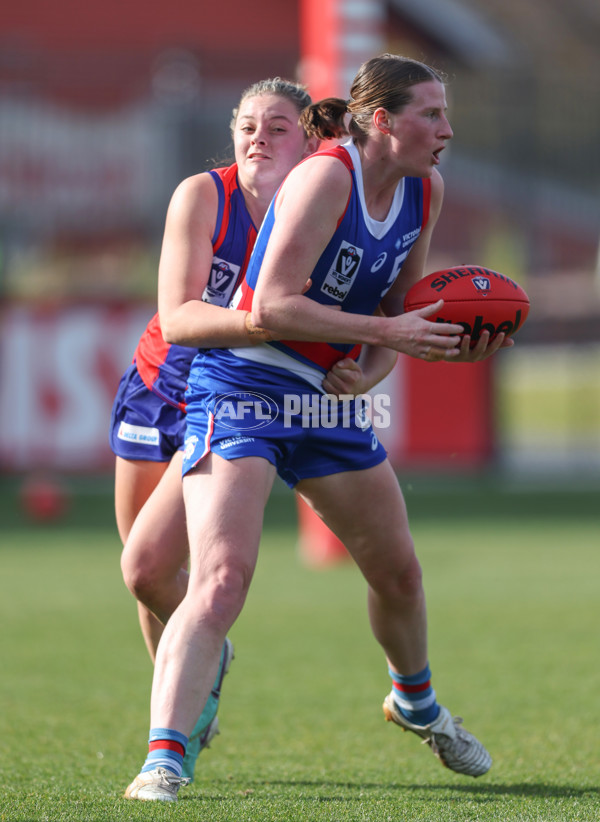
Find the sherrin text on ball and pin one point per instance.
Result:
(475, 297)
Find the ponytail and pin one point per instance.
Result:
(325, 120)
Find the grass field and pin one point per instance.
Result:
(548, 404)
(512, 584)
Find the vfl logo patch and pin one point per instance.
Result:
(190, 446)
(342, 273)
(482, 284)
(221, 282)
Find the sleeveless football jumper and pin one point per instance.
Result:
(148, 419)
(267, 400)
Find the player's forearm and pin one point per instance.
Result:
(376, 363)
(294, 317)
(198, 324)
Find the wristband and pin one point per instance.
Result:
(256, 334)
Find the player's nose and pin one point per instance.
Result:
(446, 128)
(259, 137)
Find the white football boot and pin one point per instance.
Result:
(159, 784)
(454, 746)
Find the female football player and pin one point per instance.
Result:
(356, 222)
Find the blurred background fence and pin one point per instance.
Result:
(103, 112)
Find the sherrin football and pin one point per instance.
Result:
(475, 297)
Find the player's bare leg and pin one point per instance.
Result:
(225, 506)
(154, 559)
(367, 512)
(134, 482)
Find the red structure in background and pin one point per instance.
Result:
(105, 55)
(323, 29)
(445, 412)
(320, 35)
(448, 415)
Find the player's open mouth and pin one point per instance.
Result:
(436, 155)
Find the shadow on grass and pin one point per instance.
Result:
(482, 792)
(523, 789)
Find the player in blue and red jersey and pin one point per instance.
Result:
(357, 222)
(147, 432)
(210, 231)
(148, 419)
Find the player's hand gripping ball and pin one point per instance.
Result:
(475, 297)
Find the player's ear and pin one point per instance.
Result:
(381, 120)
(312, 145)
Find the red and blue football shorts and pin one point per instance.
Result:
(143, 426)
(237, 408)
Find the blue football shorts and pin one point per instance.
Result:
(143, 426)
(236, 408)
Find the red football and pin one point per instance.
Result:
(475, 297)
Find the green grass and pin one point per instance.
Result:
(513, 610)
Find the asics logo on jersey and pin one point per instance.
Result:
(341, 275)
(379, 262)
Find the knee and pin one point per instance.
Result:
(401, 584)
(410, 579)
(140, 574)
(220, 595)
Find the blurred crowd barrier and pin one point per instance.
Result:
(548, 406)
(60, 367)
(531, 408)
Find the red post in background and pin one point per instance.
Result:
(320, 71)
(448, 420)
(441, 414)
(336, 36)
(320, 62)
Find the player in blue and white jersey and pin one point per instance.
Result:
(210, 232)
(356, 221)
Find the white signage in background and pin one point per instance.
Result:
(60, 367)
(59, 371)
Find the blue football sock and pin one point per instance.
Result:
(166, 749)
(415, 697)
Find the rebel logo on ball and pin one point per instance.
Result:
(508, 327)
